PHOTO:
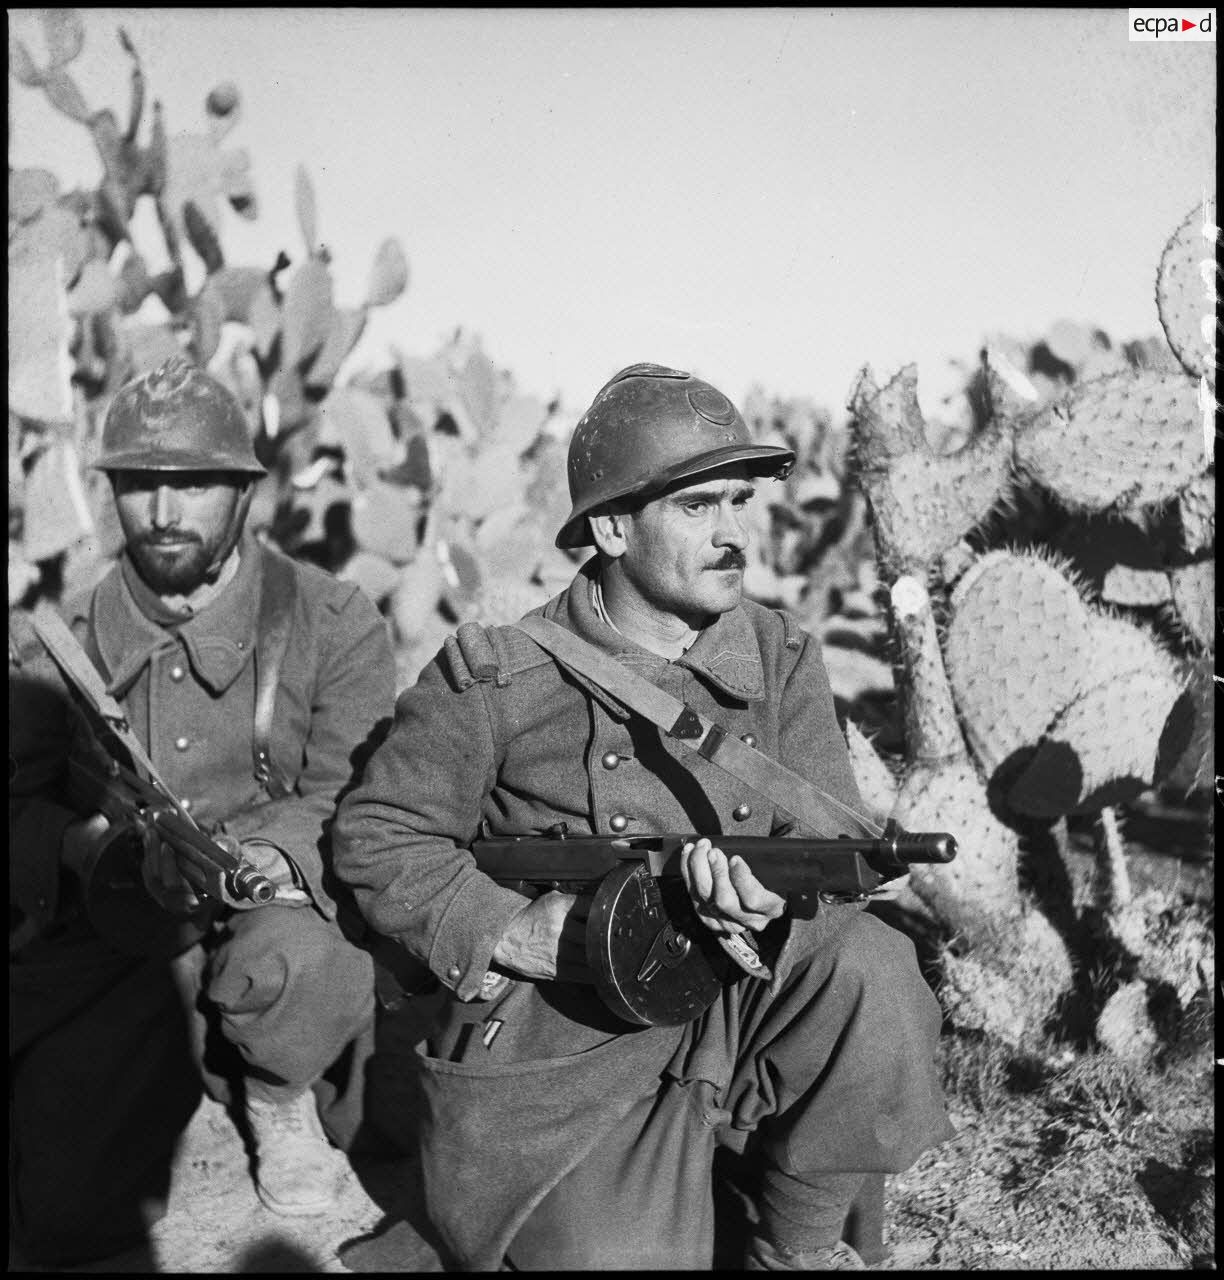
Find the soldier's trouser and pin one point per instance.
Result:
(101, 1084)
(291, 994)
(291, 991)
(104, 1075)
(833, 1073)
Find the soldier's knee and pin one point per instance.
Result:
(883, 963)
(874, 960)
(276, 950)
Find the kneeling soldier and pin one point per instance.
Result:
(252, 682)
(554, 1133)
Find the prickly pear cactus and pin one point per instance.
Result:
(1185, 294)
(1006, 967)
(921, 502)
(1120, 442)
(1016, 651)
(1060, 681)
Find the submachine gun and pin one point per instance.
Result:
(655, 963)
(110, 771)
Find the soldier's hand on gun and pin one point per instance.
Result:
(174, 892)
(547, 939)
(727, 897)
(268, 860)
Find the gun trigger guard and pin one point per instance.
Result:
(841, 899)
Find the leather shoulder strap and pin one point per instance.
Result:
(277, 595)
(821, 813)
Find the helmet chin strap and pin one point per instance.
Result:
(233, 532)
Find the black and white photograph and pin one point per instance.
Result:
(612, 639)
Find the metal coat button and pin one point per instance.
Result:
(741, 813)
(618, 822)
(610, 760)
(177, 673)
(186, 804)
(453, 973)
(181, 744)
(749, 738)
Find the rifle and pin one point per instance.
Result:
(110, 771)
(655, 963)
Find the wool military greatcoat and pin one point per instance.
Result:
(545, 1087)
(102, 1074)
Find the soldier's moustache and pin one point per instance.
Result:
(174, 540)
(731, 559)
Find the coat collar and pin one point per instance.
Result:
(132, 624)
(726, 654)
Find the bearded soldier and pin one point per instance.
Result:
(554, 1133)
(252, 683)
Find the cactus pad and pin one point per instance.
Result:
(922, 502)
(388, 275)
(1184, 298)
(1196, 507)
(876, 784)
(1119, 442)
(1193, 589)
(979, 885)
(1102, 749)
(931, 730)
(1016, 651)
(307, 313)
(357, 422)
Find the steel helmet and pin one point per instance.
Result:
(177, 418)
(648, 427)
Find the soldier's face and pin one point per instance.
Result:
(175, 523)
(684, 551)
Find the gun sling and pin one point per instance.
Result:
(276, 599)
(821, 813)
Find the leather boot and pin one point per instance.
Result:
(297, 1171)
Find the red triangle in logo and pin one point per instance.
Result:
(1188, 26)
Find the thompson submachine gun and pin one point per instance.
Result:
(110, 771)
(655, 963)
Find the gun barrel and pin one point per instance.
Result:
(925, 846)
(212, 862)
(249, 884)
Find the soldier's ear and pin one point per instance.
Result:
(608, 532)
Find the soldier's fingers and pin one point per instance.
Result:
(695, 870)
(754, 897)
(725, 898)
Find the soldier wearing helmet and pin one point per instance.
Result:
(251, 681)
(557, 1134)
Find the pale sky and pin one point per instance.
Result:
(757, 195)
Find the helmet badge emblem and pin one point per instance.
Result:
(712, 405)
